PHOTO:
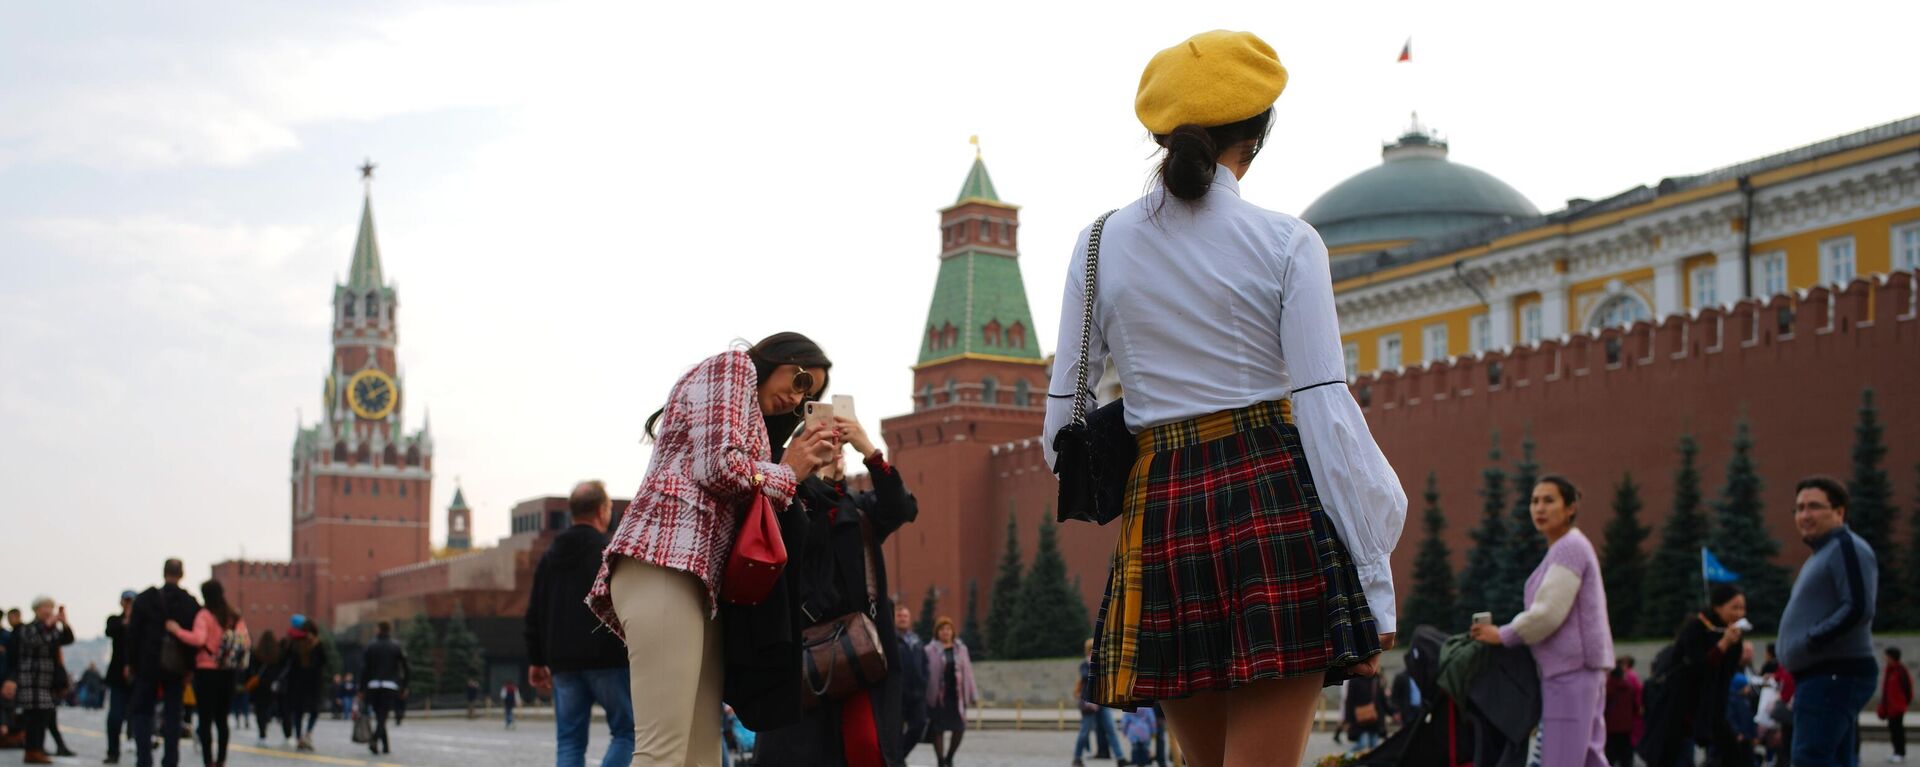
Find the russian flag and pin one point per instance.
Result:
(1406, 51)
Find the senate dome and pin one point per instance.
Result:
(1414, 194)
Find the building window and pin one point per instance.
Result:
(1906, 247)
(926, 395)
(1623, 309)
(1704, 288)
(1479, 334)
(1352, 352)
(373, 306)
(990, 391)
(346, 486)
(1530, 324)
(950, 336)
(992, 332)
(1390, 351)
(953, 391)
(1017, 335)
(1836, 261)
(1769, 274)
(349, 309)
(376, 486)
(1433, 345)
(403, 489)
(1022, 394)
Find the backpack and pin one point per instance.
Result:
(236, 649)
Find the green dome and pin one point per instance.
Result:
(1415, 194)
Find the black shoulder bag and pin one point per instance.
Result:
(1095, 451)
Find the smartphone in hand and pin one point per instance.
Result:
(1483, 619)
(818, 413)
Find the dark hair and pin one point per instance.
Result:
(267, 648)
(215, 597)
(1569, 494)
(1893, 652)
(1722, 593)
(587, 499)
(383, 630)
(1193, 152)
(786, 348)
(1836, 492)
(173, 569)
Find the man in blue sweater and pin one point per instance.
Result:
(1826, 638)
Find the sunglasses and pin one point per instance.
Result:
(802, 380)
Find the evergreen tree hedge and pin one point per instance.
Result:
(1006, 594)
(1480, 589)
(423, 658)
(1623, 560)
(929, 606)
(1673, 587)
(1870, 513)
(1432, 603)
(1049, 619)
(461, 655)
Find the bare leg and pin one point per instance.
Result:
(1199, 725)
(1268, 722)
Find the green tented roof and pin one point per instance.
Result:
(365, 273)
(459, 499)
(975, 289)
(979, 185)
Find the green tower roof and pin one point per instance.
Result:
(365, 274)
(459, 499)
(979, 185)
(976, 290)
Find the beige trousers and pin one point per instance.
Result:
(673, 650)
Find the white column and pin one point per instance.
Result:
(1669, 288)
(1553, 309)
(1500, 321)
(1730, 278)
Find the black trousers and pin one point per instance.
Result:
(382, 701)
(1620, 749)
(35, 721)
(116, 718)
(1897, 732)
(913, 720)
(213, 696)
(147, 691)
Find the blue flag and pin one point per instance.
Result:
(1713, 571)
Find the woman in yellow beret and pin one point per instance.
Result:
(1252, 566)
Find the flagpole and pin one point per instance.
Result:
(1706, 591)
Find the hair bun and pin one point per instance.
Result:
(1190, 162)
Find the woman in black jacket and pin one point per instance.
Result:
(828, 574)
(1687, 695)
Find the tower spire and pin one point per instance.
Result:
(365, 273)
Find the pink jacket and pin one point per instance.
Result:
(206, 635)
(712, 446)
(937, 675)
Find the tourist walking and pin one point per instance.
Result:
(159, 671)
(1687, 703)
(263, 681)
(951, 692)
(1565, 627)
(220, 645)
(473, 698)
(1624, 712)
(660, 581)
(119, 676)
(1826, 632)
(34, 675)
(568, 652)
(1252, 562)
(1363, 713)
(1095, 723)
(304, 664)
(384, 672)
(509, 700)
(911, 652)
(1896, 693)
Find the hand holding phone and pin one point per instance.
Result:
(1483, 619)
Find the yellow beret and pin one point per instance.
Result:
(1214, 78)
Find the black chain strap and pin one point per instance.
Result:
(1086, 317)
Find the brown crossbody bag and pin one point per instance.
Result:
(841, 655)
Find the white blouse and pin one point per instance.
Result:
(1217, 305)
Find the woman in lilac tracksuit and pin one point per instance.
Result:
(1565, 626)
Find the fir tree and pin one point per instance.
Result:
(970, 628)
(929, 605)
(1673, 588)
(1525, 545)
(1870, 513)
(1623, 559)
(461, 655)
(423, 658)
(1006, 594)
(1479, 583)
(1740, 537)
(1912, 612)
(1049, 621)
(1432, 601)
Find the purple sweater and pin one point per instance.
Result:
(1565, 624)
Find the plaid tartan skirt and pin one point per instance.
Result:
(1227, 570)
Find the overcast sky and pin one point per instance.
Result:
(577, 201)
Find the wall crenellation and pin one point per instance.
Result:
(1653, 349)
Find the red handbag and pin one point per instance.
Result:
(758, 556)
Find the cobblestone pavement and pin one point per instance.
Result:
(458, 742)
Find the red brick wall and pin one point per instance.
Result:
(267, 594)
(1592, 421)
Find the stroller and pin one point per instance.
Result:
(1438, 733)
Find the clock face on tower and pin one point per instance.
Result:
(372, 394)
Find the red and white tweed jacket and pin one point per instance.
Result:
(712, 444)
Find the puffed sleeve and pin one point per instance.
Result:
(1357, 487)
(1066, 360)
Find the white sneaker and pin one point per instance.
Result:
(1896, 759)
